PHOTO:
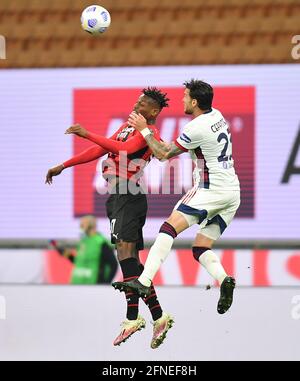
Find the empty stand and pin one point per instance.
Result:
(159, 32)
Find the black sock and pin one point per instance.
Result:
(131, 271)
(151, 301)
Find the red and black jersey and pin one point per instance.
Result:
(132, 156)
(128, 153)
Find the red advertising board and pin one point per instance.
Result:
(103, 110)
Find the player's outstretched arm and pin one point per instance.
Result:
(161, 150)
(90, 154)
(110, 144)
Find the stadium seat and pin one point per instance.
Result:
(156, 29)
(133, 29)
(291, 24)
(68, 30)
(146, 4)
(116, 57)
(237, 3)
(191, 4)
(229, 54)
(200, 27)
(252, 54)
(15, 6)
(162, 25)
(164, 55)
(248, 24)
(37, 5)
(71, 58)
(14, 48)
(174, 4)
(216, 3)
(279, 53)
(208, 55)
(4, 4)
(60, 5)
(27, 58)
(270, 24)
(166, 15)
(90, 58)
(43, 30)
(21, 30)
(138, 57)
(131, 4)
(224, 25)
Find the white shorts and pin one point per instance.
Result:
(213, 210)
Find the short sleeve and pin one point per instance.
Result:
(190, 137)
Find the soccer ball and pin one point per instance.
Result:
(95, 19)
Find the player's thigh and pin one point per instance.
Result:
(227, 214)
(200, 205)
(178, 221)
(184, 216)
(215, 226)
(132, 217)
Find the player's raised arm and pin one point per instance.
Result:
(129, 146)
(90, 154)
(161, 150)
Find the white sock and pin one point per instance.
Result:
(157, 254)
(212, 263)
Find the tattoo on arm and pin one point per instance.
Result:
(160, 151)
(174, 151)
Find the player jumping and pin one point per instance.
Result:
(127, 212)
(211, 203)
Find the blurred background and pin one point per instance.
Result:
(53, 74)
(158, 32)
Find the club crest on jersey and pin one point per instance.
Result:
(123, 135)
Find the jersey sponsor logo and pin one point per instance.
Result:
(165, 187)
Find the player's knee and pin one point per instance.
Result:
(198, 251)
(168, 229)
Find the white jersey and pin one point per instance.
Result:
(208, 139)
